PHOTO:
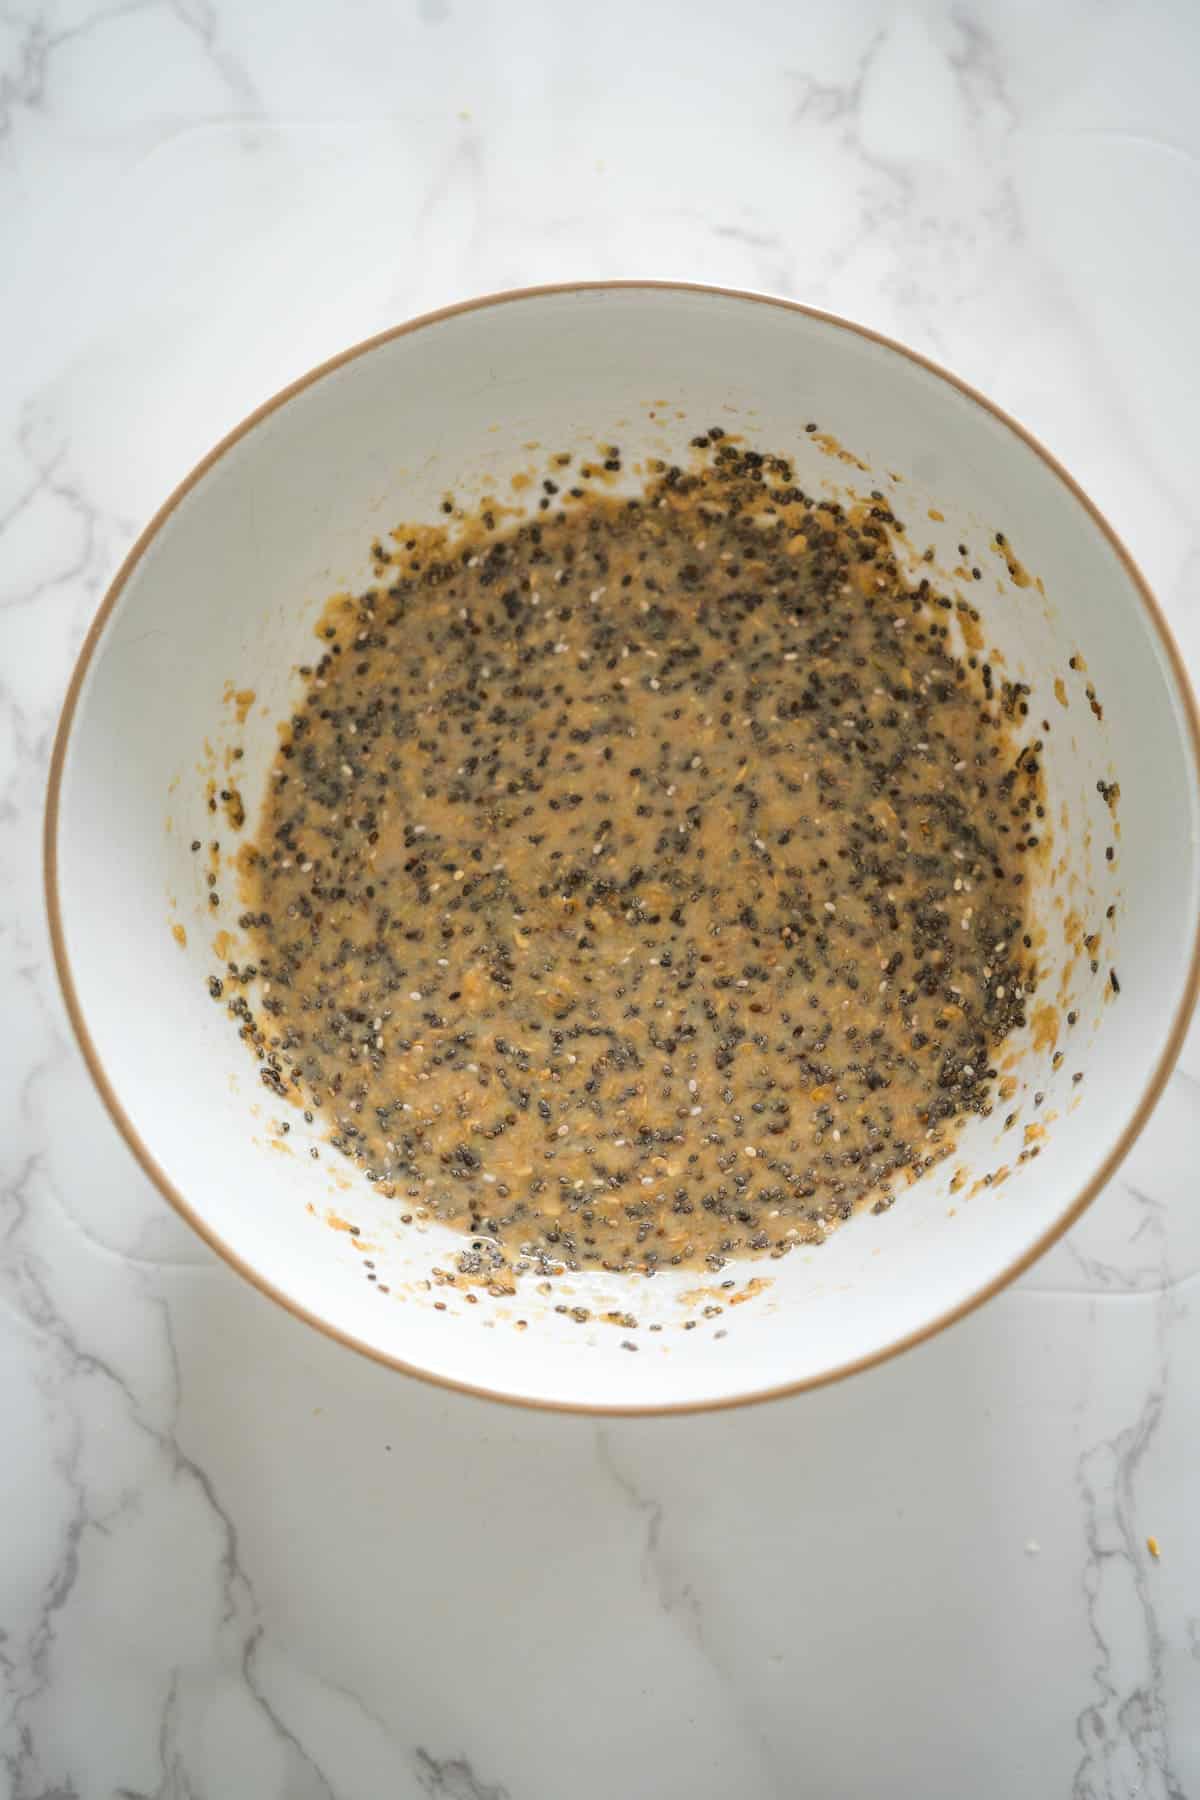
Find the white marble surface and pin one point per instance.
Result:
(236, 1561)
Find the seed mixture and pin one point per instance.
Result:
(645, 884)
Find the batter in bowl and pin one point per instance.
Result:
(645, 884)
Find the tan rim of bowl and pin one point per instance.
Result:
(1154, 1086)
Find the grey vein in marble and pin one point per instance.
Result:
(1124, 1733)
(453, 1778)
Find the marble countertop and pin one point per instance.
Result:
(234, 1559)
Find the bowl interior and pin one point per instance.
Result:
(219, 602)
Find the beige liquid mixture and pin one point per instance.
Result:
(645, 884)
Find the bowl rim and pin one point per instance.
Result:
(1099, 1178)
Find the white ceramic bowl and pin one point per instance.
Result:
(224, 587)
